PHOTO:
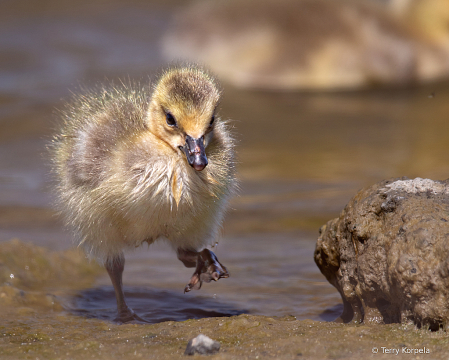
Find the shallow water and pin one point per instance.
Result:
(301, 158)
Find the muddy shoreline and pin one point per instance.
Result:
(30, 334)
(37, 322)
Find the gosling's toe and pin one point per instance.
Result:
(128, 316)
(208, 268)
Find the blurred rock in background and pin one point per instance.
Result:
(314, 44)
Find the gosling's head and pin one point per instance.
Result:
(182, 112)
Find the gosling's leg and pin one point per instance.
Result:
(207, 267)
(115, 268)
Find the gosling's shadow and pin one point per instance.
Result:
(153, 305)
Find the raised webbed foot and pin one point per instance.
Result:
(207, 268)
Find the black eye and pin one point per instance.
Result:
(212, 120)
(170, 119)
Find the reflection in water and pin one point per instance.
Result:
(332, 313)
(151, 304)
(272, 273)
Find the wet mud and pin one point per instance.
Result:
(53, 336)
(33, 276)
(39, 320)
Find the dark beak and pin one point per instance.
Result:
(195, 153)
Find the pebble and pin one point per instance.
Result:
(202, 345)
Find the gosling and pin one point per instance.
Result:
(135, 166)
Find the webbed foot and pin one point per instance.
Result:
(208, 268)
(128, 316)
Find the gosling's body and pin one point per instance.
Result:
(121, 185)
(125, 176)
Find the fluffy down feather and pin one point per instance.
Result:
(122, 178)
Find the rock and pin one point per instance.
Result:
(388, 255)
(202, 345)
(313, 44)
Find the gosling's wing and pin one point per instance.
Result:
(94, 125)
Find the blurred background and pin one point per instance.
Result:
(326, 97)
